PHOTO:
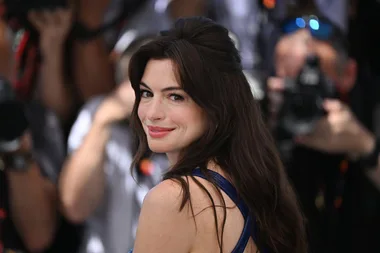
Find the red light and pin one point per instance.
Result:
(270, 4)
(146, 167)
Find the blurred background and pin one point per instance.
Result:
(65, 184)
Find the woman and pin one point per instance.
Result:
(226, 190)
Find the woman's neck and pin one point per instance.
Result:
(173, 158)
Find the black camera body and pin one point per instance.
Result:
(13, 119)
(303, 100)
(16, 11)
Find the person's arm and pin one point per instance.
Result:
(33, 205)
(82, 181)
(92, 68)
(33, 208)
(162, 226)
(184, 8)
(374, 174)
(54, 27)
(367, 142)
(6, 60)
(340, 132)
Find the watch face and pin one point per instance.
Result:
(10, 146)
(19, 162)
(16, 162)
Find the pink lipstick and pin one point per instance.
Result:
(159, 132)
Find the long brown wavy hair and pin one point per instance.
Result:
(208, 68)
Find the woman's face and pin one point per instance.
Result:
(170, 118)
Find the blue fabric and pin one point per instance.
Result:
(230, 190)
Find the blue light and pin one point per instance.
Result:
(300, 23)
(314, 24)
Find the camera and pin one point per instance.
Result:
(16, 11)
(303, 100)
(13, 118)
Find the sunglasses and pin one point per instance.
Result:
(319, 28)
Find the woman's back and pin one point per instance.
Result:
(206, 239)
(196, 230)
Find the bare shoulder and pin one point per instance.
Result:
(166, 198)
(163, 202)
(166, 195)
(163, 227)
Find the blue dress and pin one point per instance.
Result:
(230, 190)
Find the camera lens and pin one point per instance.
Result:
(13, 120)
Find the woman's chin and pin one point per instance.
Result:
(158, 148)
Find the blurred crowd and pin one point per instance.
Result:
(66, 151)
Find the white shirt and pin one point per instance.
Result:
(112, 227)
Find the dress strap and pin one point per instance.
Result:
(230, 190)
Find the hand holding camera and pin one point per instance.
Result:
(14, 121)
(339, 132)
(21, 158)
(117, 106)
(307, 110)
(53, 27)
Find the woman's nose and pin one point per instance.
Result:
(155, 110)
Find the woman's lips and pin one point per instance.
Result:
(159, 132)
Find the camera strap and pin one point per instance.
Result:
(26, 65)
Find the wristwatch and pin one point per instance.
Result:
(83, 33)
(17, 162)
(371, 160)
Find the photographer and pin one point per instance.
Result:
(53, 27)
(30, 167)
(92, 69)
(329, 165)
(96, 186)
(29, 203)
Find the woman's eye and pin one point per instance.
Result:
(145, 94)
(176, 97)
